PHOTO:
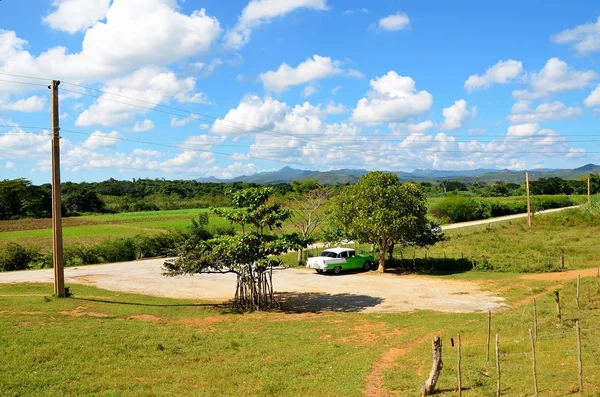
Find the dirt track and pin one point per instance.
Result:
(298, 289)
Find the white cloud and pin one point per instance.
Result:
(594, 98)
(204, 126)
(204, 142)
(76, 15)
(556, 76)
(20, 144)
(523, 130)
(457, 115)
(544, 112)
(576, 153)
(394, 22)
(392, 98)
(152, 84)
(356, 11)
(310, 90)
(521, 106)
(259, 12)
(143, 126)
(501, 73)
(251, 113)
(146, 153)
(584, 38)
(10, 165)
(336, 89)
(356, 74)
(27, 105)
(136, 33)
(477, 131)
(182, 122)
(314, 68)
(99, 140)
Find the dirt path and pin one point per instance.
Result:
(298, 290)
(562, 276)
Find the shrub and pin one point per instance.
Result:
(117, 250)
(16, 257)
(461, 209)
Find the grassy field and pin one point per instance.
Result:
(106, 343)
(95, 228)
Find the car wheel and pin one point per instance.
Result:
(367, 266)
(319, 271)
(337, 270)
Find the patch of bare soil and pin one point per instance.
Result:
(368, 333)
(36, 224)
(80, 312)
(374, 381)
(562, 276)
(148, 318)
(527, 300)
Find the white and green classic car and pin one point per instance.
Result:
(338, 259)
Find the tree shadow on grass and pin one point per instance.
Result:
(431, 266)
(97, 300)
(313, 302)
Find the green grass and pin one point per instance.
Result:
(108, 343)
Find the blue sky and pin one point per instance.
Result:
(185, 89)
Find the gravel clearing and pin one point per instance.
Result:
(298, 289)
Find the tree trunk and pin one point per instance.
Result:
(300, 251)
(391, 251)
(382, 247)
(436, 368)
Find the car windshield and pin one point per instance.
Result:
(329, 254)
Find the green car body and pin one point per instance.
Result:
(336, 260)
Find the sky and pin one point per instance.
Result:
(187, 89)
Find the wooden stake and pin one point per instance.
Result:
(429, 386)
(459, 374)
(562, 262)
(557, 299)
(489, 335)
(528, 200)
(57, 237)
(534, 319)
(578, 285)
(579, 361)
(498, 364)
(535, 384)
(589, 191)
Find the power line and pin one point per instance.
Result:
(25, 77)
(23, 82)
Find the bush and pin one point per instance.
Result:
(461, 209)
(540, 203)
(117, 250)
(16, 257)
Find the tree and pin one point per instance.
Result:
(251, 255)
(309, 213)
(83, 201)
(450, 186)
(381, 210)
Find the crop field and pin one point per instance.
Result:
(96, 228)
(105, 343)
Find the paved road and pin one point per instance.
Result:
(298, 289)
(501, 218)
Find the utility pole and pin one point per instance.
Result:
(589, 192)
(528, 200)
(57, 238)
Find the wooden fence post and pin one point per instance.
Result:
(535, 384)
(459, 374)
(429, 386)
(557, 299)
(579, 361)
(489, 335)
(562, 262)
(498, 364)
(535, 319)
(578, 285)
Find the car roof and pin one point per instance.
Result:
(338, 250)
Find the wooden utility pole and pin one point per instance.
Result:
(57, 239)
(528, 199)
(589, 192)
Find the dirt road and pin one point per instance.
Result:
(298, 289)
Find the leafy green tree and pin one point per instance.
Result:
(83, 201)
(251, 255)
(309, 212)
(381, 210)
(451, 186)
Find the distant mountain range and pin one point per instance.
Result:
(345, 176)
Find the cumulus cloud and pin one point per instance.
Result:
(259, 12)
(27, 105)
(76, 15)
(394, 22)
(457, 115)
(501, 73)
(593, 99)
(143, 126)
(543, 112)
(310, 90)
(153, 84)
(556, 76)
(584, 38)
(135, 33)
(314, 68)
(99, 140)
(393, 98)
(251, 113)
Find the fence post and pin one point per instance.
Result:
(557, 299)
(535, 384)
(429, 386)
(459, 374)
(498, 364)
(562, 262)
(579, 361)
(535, 319)
(578, 285)
(489, 335)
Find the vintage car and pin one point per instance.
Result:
(338, 259)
